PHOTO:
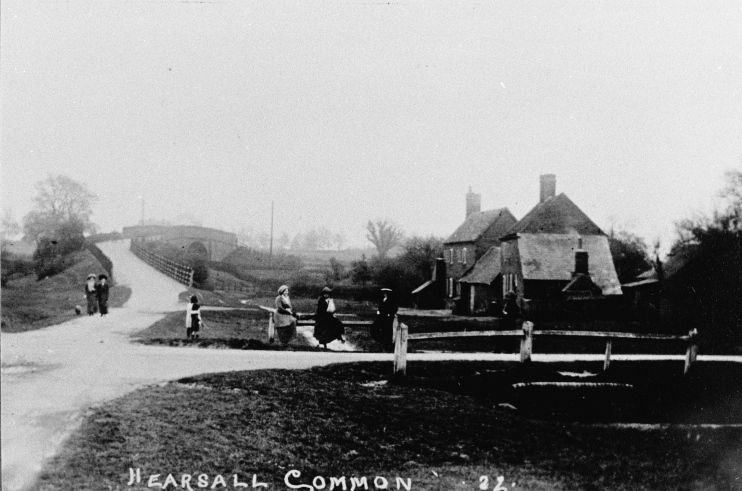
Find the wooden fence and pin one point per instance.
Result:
(307, 320)
(179, 272)
(232, 286)
(526, 335)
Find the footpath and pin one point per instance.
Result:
(52, 376)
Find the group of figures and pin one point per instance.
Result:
(96, 293)
(327, 327)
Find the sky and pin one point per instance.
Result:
(343, 111)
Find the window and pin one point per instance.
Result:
(463, 260)
(458, 289)
(449, 287)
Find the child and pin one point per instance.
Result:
(193, 318)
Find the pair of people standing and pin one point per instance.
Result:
(96, 293)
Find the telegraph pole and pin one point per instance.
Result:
(270, 253)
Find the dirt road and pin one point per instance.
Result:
(52, 375)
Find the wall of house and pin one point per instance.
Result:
(462, 260)
(511, 267)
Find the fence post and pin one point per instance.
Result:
(608, 347)
(395, 327)
(400, 352)
(692, 351)
(271, 328)
(526, 342)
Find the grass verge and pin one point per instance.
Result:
(344, 420)
(29, 304)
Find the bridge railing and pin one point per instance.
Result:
(179, 272)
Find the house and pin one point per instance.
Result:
(480, 286)
(556, 255)
(470, 242)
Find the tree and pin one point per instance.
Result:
(283, 241)
(630, 256)
(311, 240)
(338, 240)
(420, 254)
(383, 235)
(60, 200)
(10, 226)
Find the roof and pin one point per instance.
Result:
(556, 215)
(674, 263)
(552, 257)
(478, 223)
(486, 269)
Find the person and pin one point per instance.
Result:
(90, 294)
(101, 293)
(284, 318)
(327, 327)
(382, 329)
(511, 311)
(193, 318)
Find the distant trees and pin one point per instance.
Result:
(384, 235)
(10, 226)
(60, 201)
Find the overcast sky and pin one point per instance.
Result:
(345, 111)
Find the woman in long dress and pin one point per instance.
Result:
(327, 328)
(285, 319)
(382, 329)
(101, 293)
(90, 294)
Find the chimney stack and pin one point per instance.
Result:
(581, 260)
(473, 203)
(548, 187)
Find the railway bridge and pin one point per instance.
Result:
(210, 243)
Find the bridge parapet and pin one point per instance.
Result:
(217, 243)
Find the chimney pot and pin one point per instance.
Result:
(548, 187)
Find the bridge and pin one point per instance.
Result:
(209, 243)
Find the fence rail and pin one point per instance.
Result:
(179, 272)
(526, 335)
(306, 320)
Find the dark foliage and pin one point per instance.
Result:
(14, 266)
(630, 256)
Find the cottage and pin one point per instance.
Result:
(470, 242)
(556, 254)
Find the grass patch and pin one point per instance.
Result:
(343, 420)
(238, 329)
(29, 304)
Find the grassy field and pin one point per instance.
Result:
(246, 328)
(441, 431)
(29, 304)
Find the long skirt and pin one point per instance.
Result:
(103, 305)
(286, 333)
(382, 331)
(92, 303)
(327, 329)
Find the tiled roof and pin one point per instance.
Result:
(552, 257)
(477, 223)
(486, 269)
(556, 215)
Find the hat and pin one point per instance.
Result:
(91, 275)
(282, 289)
(327, 289)
(102, 277)
(386, 289)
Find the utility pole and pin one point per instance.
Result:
(270, 253)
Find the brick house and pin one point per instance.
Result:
(480, 232)
(556, 254)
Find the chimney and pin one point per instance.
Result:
(548, 187)
(581, 260)
(473, 203)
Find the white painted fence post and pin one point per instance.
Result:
(400, 352)
(608, 348)
(271, 328)
(526, 342)
(692, 351)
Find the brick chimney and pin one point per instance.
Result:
(473, 203)
(581, 260)
(548, 187)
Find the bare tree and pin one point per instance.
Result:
(60, 200)
(338, 240)
(384, 235)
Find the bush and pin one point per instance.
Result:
(13, 265)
